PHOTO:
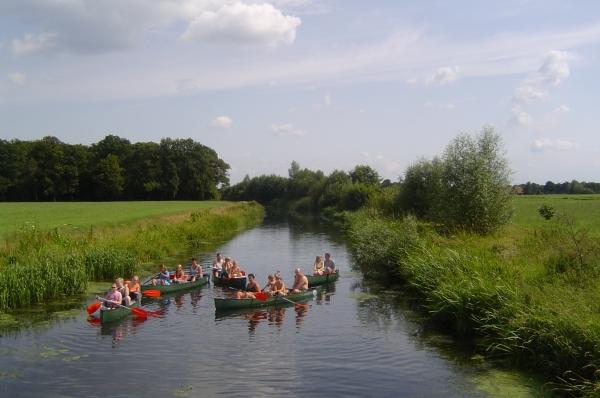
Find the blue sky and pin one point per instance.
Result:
(330, 84)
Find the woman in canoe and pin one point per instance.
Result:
(124, 290)
(235, 270)
(113, 297)
(318, 266)
(135, 290)
(251, 288)
(180, 276)
(163, 277)
(279, 287)
(195, 270)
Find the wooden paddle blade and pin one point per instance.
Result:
(140, 313)
(261, 296)
(151, 293)
(93, 307)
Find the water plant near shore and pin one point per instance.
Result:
(40, 265)
(529, 297)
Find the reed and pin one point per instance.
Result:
(529, 296)
(38, 265)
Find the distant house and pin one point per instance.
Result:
(517, 189)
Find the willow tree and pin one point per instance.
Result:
(475, 183)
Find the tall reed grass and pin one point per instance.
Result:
(39, 265)
(532, 298)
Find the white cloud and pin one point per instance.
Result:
(554, 69)
(286, 129)
(520, 117)
(413, 81)
(547, 144)
(31, 43)
(222, 122)
(528, 93)
(443, 75)
(244, 23)
(18, 78)
(327, 99)
(449, 106)
(562, 109)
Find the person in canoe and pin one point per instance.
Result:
(251, 288)
(124, 290)
(318, 266)
(217, 266)
(195, 270)
(113, 297)
(135, 290)
(163, 277)
(279, 287)
(235, 271)
(300, 281)
(227, 264)
(329, 264)
(180, 276)
(269, 285)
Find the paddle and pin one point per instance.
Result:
(136, 311)
(151, 293)
(93, 307)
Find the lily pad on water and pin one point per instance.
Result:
(183, 391)
(505, 383)
(50, 352)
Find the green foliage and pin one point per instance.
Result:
(113, 168)
(468, 189)
(38, 264)
(363, 174)
(546, 211)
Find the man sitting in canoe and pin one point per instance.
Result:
(269, 286)
(195, 270)
(329, 264)
(300, 281)
(251, 288)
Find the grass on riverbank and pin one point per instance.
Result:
(531, 293)
(38, 265)
(16, 217)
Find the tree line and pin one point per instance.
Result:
(111, 169)
(468, 187)
(573, 187)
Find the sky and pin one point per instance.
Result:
(328, 83)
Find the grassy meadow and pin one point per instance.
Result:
(530, 293)
(584, 209)
(59, 258)
(74, 215)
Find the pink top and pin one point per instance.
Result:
(115, 296)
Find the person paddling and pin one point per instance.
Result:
(195, 270)
(113, 297)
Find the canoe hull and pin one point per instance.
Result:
(108, 315)
(177, 287)
(236, 283)
(317, 280)
(225, 304)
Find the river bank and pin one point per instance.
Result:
(529, 297)
(38, 265)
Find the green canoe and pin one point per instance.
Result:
(316, 280)
(177, 287)
(224, 304)
(107, 315)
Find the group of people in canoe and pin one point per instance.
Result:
(323, 266)
(225, 267)
(123, 292)
(164, 277)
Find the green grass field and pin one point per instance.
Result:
(584, 209)
(47, 215)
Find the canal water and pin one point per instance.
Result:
(352, 340)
